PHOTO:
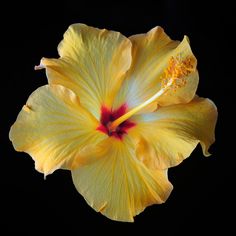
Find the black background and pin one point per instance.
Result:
(202, 200)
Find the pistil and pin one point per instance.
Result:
(174, 77)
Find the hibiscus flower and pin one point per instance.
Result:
(117, 112)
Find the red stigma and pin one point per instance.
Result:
(108, 116)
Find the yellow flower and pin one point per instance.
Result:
(118, 112)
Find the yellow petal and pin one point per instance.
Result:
(169, 135)
(118, 185)
(151, 54)
(92, 64)
(53, 127)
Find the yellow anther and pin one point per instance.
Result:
(177, 70)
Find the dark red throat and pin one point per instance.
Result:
(109, 115)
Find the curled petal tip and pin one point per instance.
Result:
(39, 67)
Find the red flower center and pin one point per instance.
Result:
(108, 116)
